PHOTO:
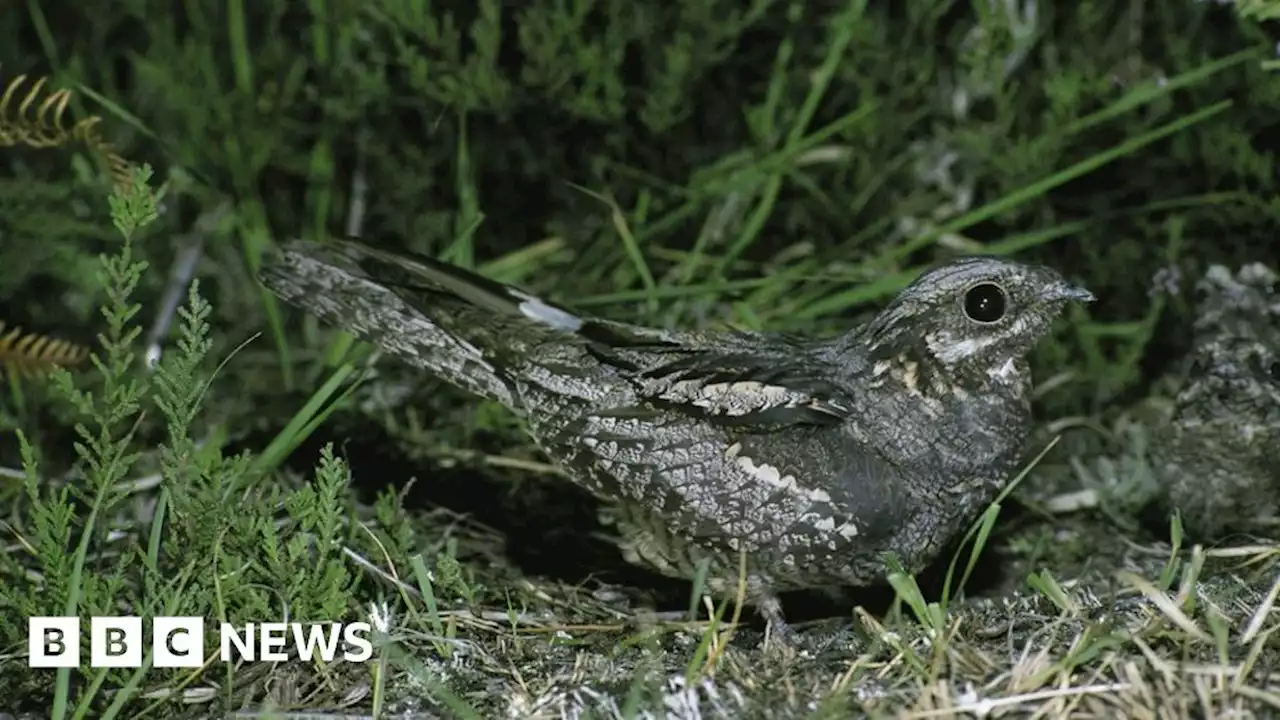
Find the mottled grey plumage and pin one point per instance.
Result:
(815, 458)
(1218, 458)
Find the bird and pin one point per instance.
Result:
(1215, 456)
(769, 461)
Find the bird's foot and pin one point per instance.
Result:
(779, 637)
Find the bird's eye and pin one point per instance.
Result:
(985, 303)
(1274, 371)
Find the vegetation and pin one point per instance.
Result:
(174, 441)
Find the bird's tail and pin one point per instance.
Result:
(456, 324)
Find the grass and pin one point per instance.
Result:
(1162, 633)
(165, 506)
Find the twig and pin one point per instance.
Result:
(184, 268)
(359, 190)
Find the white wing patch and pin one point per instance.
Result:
(750, 505)
(847, 529)
(731, 398)
(770, 476)
(535, 309)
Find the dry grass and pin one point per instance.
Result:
(1112, 642)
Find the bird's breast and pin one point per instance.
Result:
(956, 432)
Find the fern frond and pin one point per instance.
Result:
(33, 353)
(35, 117)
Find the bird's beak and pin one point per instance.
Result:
(1069, 293)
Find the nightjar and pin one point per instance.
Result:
(811, 460)
(1217, 459)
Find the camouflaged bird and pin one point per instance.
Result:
(813, 460)
(1217, 459)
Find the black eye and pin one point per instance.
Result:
(984, 303)
(1274, 371)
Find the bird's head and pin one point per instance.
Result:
(1233, 378)
(978, 314)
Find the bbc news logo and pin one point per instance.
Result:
(178, 642)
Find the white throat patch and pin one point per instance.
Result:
(949, 351)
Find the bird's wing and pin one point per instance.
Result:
(731, 379)
(481, 335)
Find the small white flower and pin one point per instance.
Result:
(380, 617)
